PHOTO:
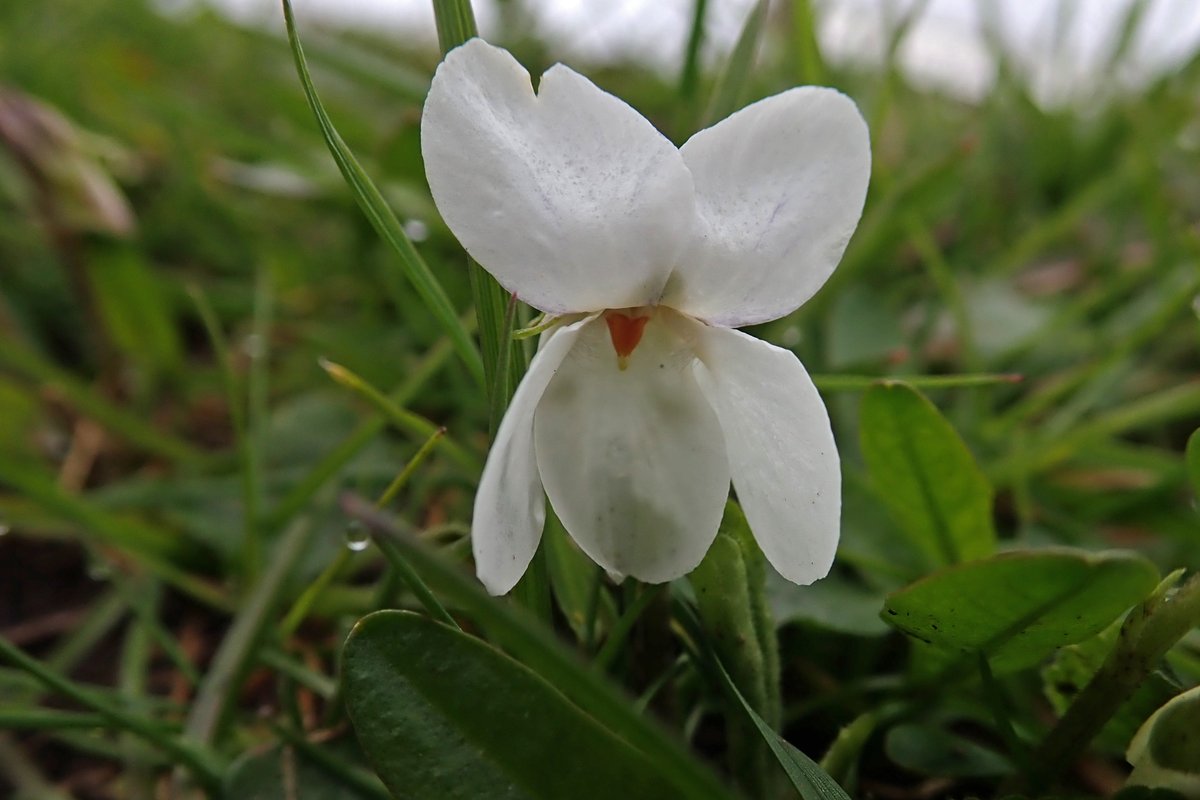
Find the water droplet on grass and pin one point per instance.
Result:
(357, 537)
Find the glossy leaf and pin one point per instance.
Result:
(443, 715)
(926, 475)
(535, 647)
(1017, 608)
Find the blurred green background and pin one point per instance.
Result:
(178, 252)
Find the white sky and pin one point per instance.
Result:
(1061, 44)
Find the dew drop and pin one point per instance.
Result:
(5, 528)
(416, 230)
(357, 537)
(254, 346)
(99, 570)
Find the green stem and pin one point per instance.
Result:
(1149, 632)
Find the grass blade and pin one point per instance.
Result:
(381, 217)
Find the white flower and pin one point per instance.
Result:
(644, 402)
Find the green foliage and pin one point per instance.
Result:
(1011, 339)
(1016, 608)
(441, 714)
(926, 476)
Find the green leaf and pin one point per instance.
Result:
(528, 641)
(381, 217)
(832, 604)
(1016, 608)
(926, 475)
(443, 715)
(933, 750)
(1174, 742)
(1193, 462)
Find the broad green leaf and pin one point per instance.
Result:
(926, 475)
(444, 715)
(530, 642)
(1017, 608)
(1193, 462)
(1165, 753)
(933, 750)
(380, 214)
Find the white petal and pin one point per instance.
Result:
(780, 187)
(569, 197)
(510, 506)
(633, 461)
(782, 455)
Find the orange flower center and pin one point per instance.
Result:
(625, 328)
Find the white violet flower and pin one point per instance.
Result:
(643, 402)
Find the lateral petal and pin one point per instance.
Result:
(510, 505)
(782, 455)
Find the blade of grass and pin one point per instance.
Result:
(304, 603)
(23, 718)
(219, 689)
(494, 307)
(155, 549)
(93, 405)
(455, 22)
(198, 760)
(731, 85)
(858, 383)
(689, 76)
(401, 418)
(251, 560)
(810, 65)
(806, 776)
(381, 217)
(329, 466)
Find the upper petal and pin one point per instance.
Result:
(782, 456)
(633, 460)
(510, 506)
(569, 197)
(780, 187)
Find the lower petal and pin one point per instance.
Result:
(633, 459)
(510, 506)
(782, 456)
